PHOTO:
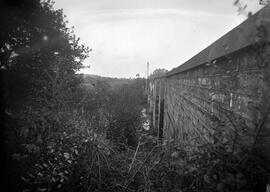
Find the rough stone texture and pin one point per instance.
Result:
(229, 91)
(226, 96)
(156, 104)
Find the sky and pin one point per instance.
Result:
(125, 34)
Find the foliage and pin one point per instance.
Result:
(242, 8)
(212, 168)
(158, 73)
(126, 106)
(38, 51)
(170, 167)
(63, 137)
(90, 81)
(39, 56)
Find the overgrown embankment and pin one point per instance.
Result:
(85, 146)
(61, 136)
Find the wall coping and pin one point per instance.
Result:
(238, 38)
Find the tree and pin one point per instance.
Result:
(39, 57)
(158, 73)
(37, 49)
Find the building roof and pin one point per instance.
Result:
(240, 37)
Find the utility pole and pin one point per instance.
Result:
(147, 69)
(147, 76)
(147, 91)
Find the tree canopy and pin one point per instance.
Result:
(158, 73)
(36, 48)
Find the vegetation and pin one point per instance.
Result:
(158, 73)
(61, 135)
(90, 80)
(57, 131)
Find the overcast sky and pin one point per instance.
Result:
(125, 34)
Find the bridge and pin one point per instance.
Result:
(223, 90)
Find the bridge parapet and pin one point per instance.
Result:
(225, 88)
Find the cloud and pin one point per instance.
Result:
(127, 14)
(163, 41)
(125, 34)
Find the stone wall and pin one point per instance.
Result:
(223, 91)
(230, 91)
(156, 104)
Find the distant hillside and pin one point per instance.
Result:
(90, 81)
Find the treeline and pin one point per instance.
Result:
(52, 123)
(90, 81)
(39, 59)
(48, 149)
(119, 107)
